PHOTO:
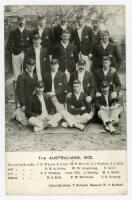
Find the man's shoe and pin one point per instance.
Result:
(79, 126)
(64, 124)
(111, 128)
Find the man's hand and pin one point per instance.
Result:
(68, 95)
(83, 108)
(88, 99)
(113, 70)
(116, 106)
(104, 108)
(113, 95)
(98, 94)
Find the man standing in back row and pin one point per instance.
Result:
(19, 40)
(82, 37)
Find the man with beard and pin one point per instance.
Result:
(19, 40)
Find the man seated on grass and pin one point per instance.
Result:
(41, 111)
(79, 111)
(108, 108)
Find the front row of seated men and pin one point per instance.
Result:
(70, 103)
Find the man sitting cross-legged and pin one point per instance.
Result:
(107, 107)
(78, 111)
(41, 111)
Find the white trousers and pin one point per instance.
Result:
(39, 121)
(112, 115)
(59, 106)
(74, 119)
(17, 64)
(87, 59)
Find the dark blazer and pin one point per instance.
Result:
(34, 106)
(100, 101)
(47, 38)
(74, 105)
(18, 41)
(60, 84)
(58, 32)
(67, 57)
(112, 50)
(88, 83)
(85, 45)
(44, 59)
(25, 87)
(112, 78)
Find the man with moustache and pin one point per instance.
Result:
(18, 42)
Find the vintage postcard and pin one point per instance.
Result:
(65, 99)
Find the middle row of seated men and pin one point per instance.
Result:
(69, 98)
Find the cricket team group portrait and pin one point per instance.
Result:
(65, 72)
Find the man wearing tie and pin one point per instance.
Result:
(86, 79)
(56, 85)
(40, 54)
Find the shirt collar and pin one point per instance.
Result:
(30, 74)
(37, 47)
(65, 44)
(41, 29)
(21, 29)
(105, 44)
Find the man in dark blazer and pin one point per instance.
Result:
(56, 85)
(46, 33)
(107, 74)
(24, 89)
(40, 54)
(82, 37)
(66, 53)
(19, 40)
(107, 108)
(63, 25)
(26, 83)
(104, 48)
(86, 79)
(78, 111)
(41, 111)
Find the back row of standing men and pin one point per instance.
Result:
(64, 58)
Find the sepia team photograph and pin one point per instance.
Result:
(65, 78)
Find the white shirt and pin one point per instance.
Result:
(105, 44)
(40, 30)
(107, 101)
(105, 71)
(64, 44)
(21, 29)
(77, 96)
(79, 31)
(44, 109)
(80, 77)
(38, 68)
(53, 76)
(30, 74)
